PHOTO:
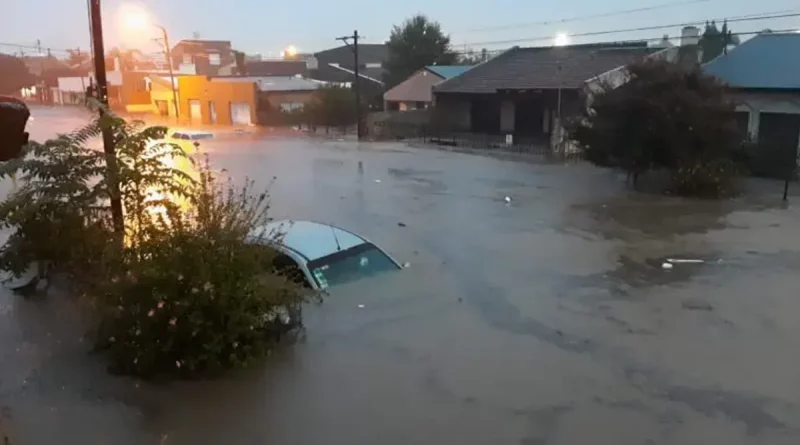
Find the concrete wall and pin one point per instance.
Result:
(134, 89)
(221, 93)
(162, 92)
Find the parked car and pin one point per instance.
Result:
(320, 255)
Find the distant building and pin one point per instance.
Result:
(415, 93)
(763, 75)
(204, 57)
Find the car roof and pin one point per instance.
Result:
(310, 239)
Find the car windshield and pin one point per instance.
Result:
(348, 265)
(202, 136)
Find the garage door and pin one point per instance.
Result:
(240, 113)
(195, 112)
(778, 135)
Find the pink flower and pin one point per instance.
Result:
(173, 322)
(160, 304)
(151, 313)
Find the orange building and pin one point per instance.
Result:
(209, 101)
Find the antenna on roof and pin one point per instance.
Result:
(338, 246)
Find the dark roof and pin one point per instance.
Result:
(448, 71)
(329, 73)
(544, 68)
(276, 68)
(769, 61)
(343, 55)
(203, 45)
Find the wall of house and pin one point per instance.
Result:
(276, 98)
(221, 93)
(416, 88)
(160, 92)
(756, 103)
(134, 89)
(452, 111)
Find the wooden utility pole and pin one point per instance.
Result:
(102, 96)
(356, 83)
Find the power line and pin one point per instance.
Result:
(588, 16)
(634, 43)
(642, 28)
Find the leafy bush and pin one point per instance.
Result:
(710, 179)
(664, 117)
(189, 290)
(194, 297)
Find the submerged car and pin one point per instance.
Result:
(320, 255)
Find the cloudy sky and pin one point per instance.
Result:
(264, 26)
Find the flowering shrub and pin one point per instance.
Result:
(192, 297)
(183, 293)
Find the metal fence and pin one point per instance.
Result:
(424, 134)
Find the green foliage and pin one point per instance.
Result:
(419, 42)
(190, 290)
(194, 297)
(663, 117)
(331, 106)
(714, 41)
(15, 75)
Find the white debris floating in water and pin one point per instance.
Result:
(684, 261)
(378, 181)
(508, 199)
(406, 265)
(666, 266)
(361, 306)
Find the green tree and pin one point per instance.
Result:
(417, 43)
(714, 41)
(15, 75)
(664, 117)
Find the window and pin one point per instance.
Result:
(352, 264)
(214, 59)
(291, 106)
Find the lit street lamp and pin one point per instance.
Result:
(138, 20)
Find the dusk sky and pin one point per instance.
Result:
(259, 26)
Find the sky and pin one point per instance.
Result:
(266, 27)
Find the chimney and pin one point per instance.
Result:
(689, 53)
(690, 35)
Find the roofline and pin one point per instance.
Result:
(353, 72)
(439, 85)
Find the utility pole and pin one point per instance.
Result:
(102, 96)
(168, 55)
(356, 88)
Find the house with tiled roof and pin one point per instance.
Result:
(763, 75)
(520, 94)
(415, 93)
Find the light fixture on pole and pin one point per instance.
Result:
(138, 20)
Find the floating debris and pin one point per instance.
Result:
(685, 261)
(378, 181)
(508, 200)
(666, 266)
(361, 306)
(401, 224)
(696, 305)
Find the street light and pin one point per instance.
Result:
(138, 20)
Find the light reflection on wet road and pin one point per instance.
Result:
(544, 321)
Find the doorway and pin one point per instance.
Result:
(195, 112)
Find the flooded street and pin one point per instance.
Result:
(546, 320)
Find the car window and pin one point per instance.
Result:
(286, 266)
(202, 136)
(352, 264)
